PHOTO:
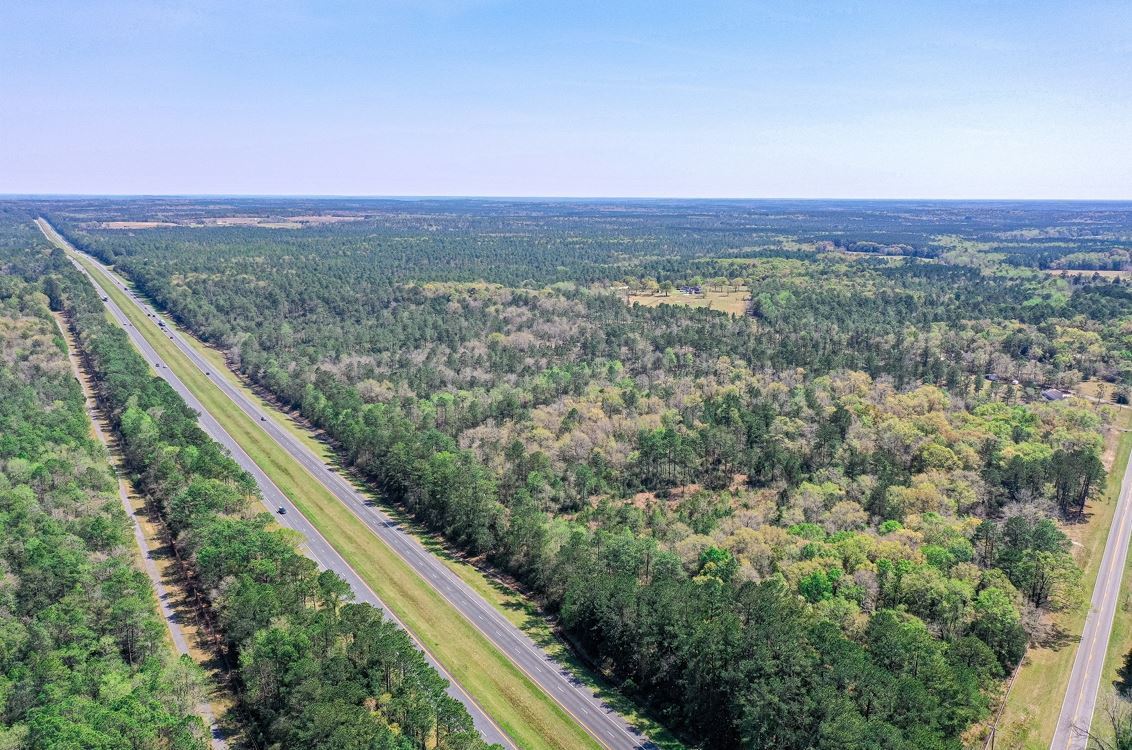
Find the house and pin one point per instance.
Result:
(1052, 394)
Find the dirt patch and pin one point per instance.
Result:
(734, 303)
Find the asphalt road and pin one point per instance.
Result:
(315, 546)
(1088, 666)
(604, 724)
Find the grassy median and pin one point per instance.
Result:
(524, 711)
(519, 610)
(1034, 705)
(1120, 644)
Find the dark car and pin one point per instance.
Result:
(282, 511)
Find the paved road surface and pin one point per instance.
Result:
(314, 544)
(176, 632)
(1088, 666)
(608, 727)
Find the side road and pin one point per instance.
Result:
(177, 634)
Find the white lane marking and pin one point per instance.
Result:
(414, 550)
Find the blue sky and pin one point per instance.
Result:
(949, 99)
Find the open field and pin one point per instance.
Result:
(1032, 708)
(1097, 390)
(521, 708)
(1121, 640)
(734, 303)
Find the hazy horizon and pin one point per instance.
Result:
(542, 198)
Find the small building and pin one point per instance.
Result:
(1052, 394)
(992, 378)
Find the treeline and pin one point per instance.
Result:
(728, 660)
(914, 322)
(83, 657)
(313, 669)
(821, 527)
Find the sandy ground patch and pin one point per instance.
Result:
(734, 303)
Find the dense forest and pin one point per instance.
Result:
(312, 668)
(832, 521)
(83, 660)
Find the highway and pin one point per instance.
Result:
(315, 545)
(1088, 666)
(607, 727)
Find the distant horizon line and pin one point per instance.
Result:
(543, 198)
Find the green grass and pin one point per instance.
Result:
(518, 609)
(1032, 709)
(524, 711)
(526, 616)
(1120, 643)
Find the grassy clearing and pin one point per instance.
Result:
(1120, 643)
(1032, 709)
(734, 303)
(516, 703)
(1096, 390)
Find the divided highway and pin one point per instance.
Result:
(314, 544)
(608, 728)
(1088, 666)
